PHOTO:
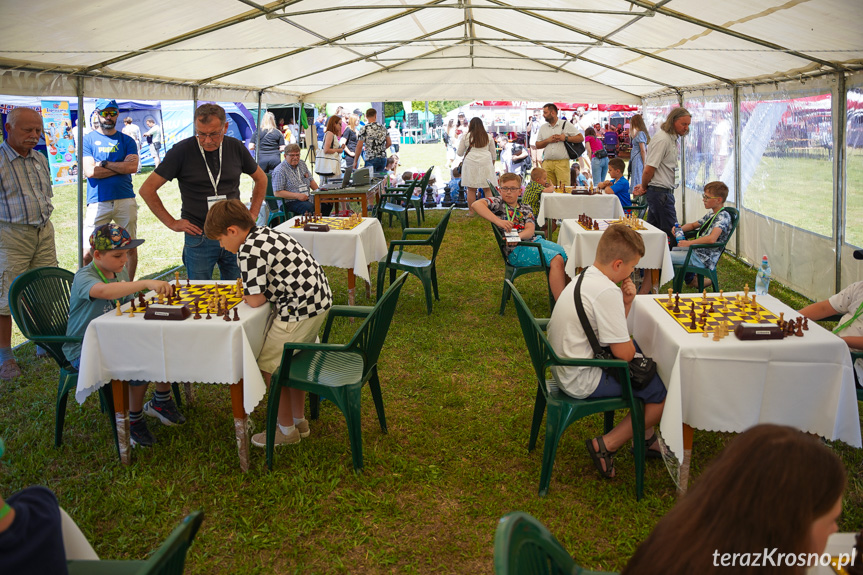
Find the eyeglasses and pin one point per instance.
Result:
(706, 197)
(294, 155)
(108, 113)
(210, 136)
(508, 189)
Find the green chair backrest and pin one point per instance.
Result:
(524, 546)
(272, 203)
(436, 237)
(369, 338)
(537, 344)
(39, 302)
(500, 242)
(170, 557)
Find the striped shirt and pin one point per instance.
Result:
(25, 187)
(289, 179)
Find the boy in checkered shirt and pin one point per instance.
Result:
(277, 269)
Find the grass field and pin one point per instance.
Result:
(458, 389)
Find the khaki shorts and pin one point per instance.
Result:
(122, 212)
(282, 332)
(557, 170)
(22, 248)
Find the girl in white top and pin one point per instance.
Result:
(477, 168)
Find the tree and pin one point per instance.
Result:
(438, 106)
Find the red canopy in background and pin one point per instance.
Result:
(561, 105)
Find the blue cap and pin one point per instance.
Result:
(103, 104)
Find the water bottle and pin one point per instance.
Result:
(762, 278)
(678, 233)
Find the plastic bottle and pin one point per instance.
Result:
(762, 278)
(678, 233)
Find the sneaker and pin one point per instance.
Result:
(303, 428)
(260, 439)
(9, 370)
(164, 411)
(140, 434)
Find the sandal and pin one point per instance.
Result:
(602, 455)
(649, 453)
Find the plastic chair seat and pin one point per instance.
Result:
(409, 259)
(327, 368)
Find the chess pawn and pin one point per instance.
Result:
(119, 311)
(132, 311)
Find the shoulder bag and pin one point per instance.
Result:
(573, 150)
(642, 369)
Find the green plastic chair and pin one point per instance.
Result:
(277, 214)
(422, 267)
(392, 204)
(168, 559)
(638, 207)
(39, 302)
(510, 272)
(337, 372)
(494, 191)
(562, 409)
(524, 546)
(686, 267)
(417, 203)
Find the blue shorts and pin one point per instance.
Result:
(678, 256)
(526, 256)
(653, 392)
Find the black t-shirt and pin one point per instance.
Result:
(184, 162)
(351, 139)
(33, 544)
(270, 143)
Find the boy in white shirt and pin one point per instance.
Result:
(606, 307)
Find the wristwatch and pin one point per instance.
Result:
(103, 163)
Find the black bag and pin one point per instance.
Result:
(601, 153)
(642, 369)
(574, 150)
(526, 163)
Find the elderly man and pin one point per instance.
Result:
(659, 178)
(293, 181)
(550, 139)
(26, 233)
(376, 141)
(207, 167)
(110, 159)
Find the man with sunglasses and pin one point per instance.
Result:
(207, 167)
(110, 159)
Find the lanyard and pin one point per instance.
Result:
(209, 172)
(706, 225)
(514, 216)
(857, 314)
(104, 279)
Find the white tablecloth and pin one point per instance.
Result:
(567, 206)
(580, 245)
(731, 385)
(204, 351)
(355, 248)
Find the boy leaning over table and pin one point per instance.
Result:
(275, 268)
(96, 289)
(713, 227)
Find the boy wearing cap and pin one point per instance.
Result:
(110, 159)
(96, 289)
(275, 269)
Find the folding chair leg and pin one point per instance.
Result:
(175, 387)
(60, 411)
(538, 412)
(553, 432)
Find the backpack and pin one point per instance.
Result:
(446, 139)
(526, 163)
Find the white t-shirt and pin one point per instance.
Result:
(662, 154)
(555, 150)
(846, 302)
(603, 304)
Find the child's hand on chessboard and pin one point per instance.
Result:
(159, 286)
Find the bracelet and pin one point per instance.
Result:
(4, 511)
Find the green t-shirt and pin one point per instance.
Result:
(83, 309)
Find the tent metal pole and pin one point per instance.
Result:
(258, 131)
(682, 164)
(840, 112)
(81, 119)
(194, 104)
(735, 103)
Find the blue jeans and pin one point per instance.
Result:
(200, 256)
(660, 209)
(379, 164)
(300, 207)
(599, 168)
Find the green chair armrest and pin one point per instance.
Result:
(344, 311)
(409, 243)
(407, 231)
(543, 322)
(539, 233)
(56, 339)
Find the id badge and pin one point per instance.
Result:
(303, 189)
(212, 200)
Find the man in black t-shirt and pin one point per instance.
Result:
(207, 167)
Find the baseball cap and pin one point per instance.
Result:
(112, 237)
(358, 112)
(104, 103)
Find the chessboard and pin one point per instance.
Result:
(189, 293)
(348, 223)
(713, 310)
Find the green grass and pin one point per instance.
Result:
(458, 390)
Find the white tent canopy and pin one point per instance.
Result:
(615, 51)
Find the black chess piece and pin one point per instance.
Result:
(236, 315)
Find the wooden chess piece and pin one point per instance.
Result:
(692, 325)
(746, 292)
(132, 310)
(805, 324)
(188, 283)
(711, 308)
(236, 315)
(799, 332)
(119, 311)
(670, 291)
(197, 305)
(226, 316)
(704, 295)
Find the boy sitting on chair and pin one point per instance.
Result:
(606, 307)
(618, 185)
(510, 215)
(275, 268)
(97, 289)
(714, 227)
(539, 184)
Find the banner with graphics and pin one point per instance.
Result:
(57, 128)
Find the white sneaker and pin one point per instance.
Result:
(260, 439)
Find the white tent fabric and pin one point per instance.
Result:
(615, 51)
